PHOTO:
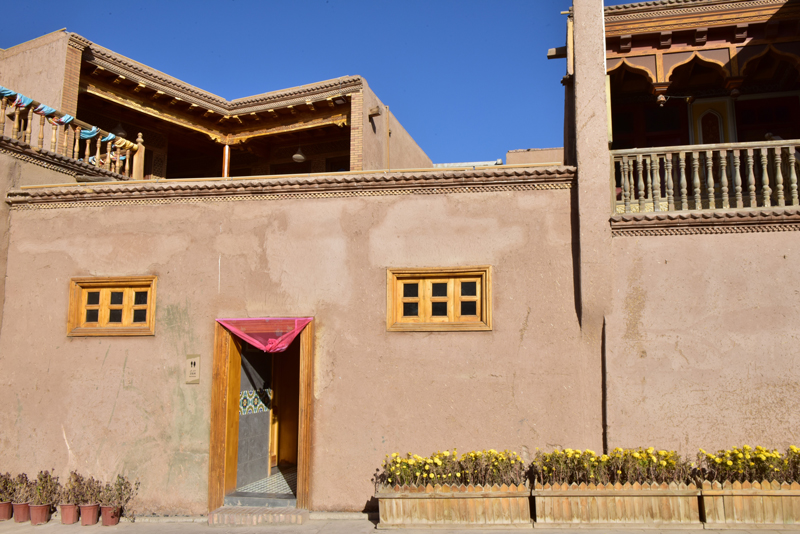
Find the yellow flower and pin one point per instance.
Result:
(446, 453)
(650, 450)
(417, 473)
(662, 453)
(390, 480)
(458, 474)
(636, 455)
(663, 463)
(395, 455)
(730, 463)
(718, 460)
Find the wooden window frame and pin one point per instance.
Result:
(78, 287)
(425, 321)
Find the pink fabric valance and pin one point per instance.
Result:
(270, 334)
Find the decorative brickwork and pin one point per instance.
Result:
(744, 221)
(357, 131)
(72, 78)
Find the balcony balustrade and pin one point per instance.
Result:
(119, 155)
(705, 177)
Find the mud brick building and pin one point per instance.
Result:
(645, 292)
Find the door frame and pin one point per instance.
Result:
(224, 439)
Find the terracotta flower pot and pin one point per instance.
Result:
(40, 513)
(5, 511)
(21, 512)
(89, 513)
(110, 515)
(69, 514)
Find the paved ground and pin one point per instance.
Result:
(337, 526)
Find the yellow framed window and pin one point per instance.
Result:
(439, 299)
(123, 306)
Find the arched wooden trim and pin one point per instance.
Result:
(721, 123)
(697, 56)
(770, 48)
(635, 68)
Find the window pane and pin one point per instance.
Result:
(469, 289)
(116, 297)
(141, 297)
(439, 290)
(139, 316)
(114, 316)
(469, 308)
(91, 316)
(410, 309)
(93, 298)
(439, 309)
(411, 290)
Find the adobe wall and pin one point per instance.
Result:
(537, 156)
(702, 341)
(404, 153)
(107, 404)
(13, 173)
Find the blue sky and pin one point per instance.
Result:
(468, 79)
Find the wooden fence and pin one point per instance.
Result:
(751, 505)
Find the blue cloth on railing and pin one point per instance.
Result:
(41, 109)
(6, 92)
(89, 134)
(109, 137)
(65, 119)
(22, 101)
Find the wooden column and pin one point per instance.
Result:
(226, 161)
(138, 159)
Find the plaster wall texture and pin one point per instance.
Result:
(36, 69)
(593, 199)
(535, 155)
(702, 341)
(107, 404)
(13, 173)
(403, 151)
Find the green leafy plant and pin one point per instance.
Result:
(6, 487)
(91, 491)
(23, 489)
(72, 491)
(485, 468)
(46, 489)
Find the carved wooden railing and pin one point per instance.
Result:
(119, 155)
(706, 177)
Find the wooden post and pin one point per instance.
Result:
(793, 175)
(127, 163)
(670, 184)
(40, 143)
(15, 129)
(98, 152)
(138, 159)
(751, 179)
(723, 178)
(682, 169)
(698, 201)
(28, 126)
(737, 180)
(765, 190)
(76, 150)
(779, 176)
(626, 184)
(226, 161)
(640, 182)
(54, 138)
(3, 105)
(88, 151)
(712, 202)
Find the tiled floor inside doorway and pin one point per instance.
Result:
(283, 481)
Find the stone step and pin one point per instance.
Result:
(256, 515)
(265, 500)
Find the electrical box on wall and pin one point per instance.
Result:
(192, 368)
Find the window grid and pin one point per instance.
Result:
(112, 306)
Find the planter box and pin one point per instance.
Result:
(617, 506)
(751, 505)
(455, 507)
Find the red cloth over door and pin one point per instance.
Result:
(270, 334)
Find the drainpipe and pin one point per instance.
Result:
(388, 134)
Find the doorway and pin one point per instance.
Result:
(260, 421)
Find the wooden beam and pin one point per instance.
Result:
(157, 95)
(272, 113)
(255, 116)
(291, 108)
(174, 101)
(310, 105)
(139, 87)
(237, 118)
(119, 79)
(665, 40)
(700, 36)
(208, 113)
(330, 102)
(192, 108)
(98, 71)
(305, 416)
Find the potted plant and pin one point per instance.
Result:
(444, 490)
(750, 487)
(114, 498)
(643, 487)
(23, 492)
(46, 490)
(6, 494)
(70, 498)
(90, 501)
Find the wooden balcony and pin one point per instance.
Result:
(705, 177)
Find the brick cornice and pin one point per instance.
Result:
(706, 222)
(426, 181)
